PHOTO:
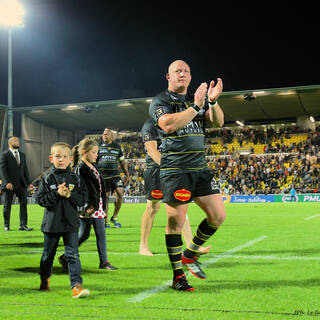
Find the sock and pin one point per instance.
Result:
(174, 246)
(204, 232)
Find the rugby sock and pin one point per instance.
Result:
(204, 232)
(174, 247)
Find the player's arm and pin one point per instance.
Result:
(124, 167)
(214, 116)
(151, 148)
(171, 122)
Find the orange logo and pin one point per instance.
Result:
(182, 195)
(157, 194)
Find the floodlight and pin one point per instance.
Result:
(11, 13)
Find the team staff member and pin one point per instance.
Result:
(15, 180)
(110, 155)
(152, 144)
(184, 174)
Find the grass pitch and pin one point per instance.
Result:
(264, 264)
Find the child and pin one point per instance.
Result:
(93, 213)
(61, 192)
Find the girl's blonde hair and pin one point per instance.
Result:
(83, 146)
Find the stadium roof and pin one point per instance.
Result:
(249, 106)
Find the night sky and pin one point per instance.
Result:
(85, 50)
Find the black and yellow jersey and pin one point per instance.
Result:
(183, 150)
(110, 155)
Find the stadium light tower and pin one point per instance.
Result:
(11, 15)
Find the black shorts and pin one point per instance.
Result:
(152, 185)
(112, 184)
(182, 188)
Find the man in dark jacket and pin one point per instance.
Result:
(15, 180)
(61, 192)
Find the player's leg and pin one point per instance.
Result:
(146, 225)
(213, 206)
(188, 236)
(119, 191)
(108, 193)
(176, 219)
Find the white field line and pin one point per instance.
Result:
(152, 291)
(315, 216)
(231, 251)
(271, 257)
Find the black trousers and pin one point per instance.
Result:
(21, 193)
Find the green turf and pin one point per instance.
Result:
(260, 267)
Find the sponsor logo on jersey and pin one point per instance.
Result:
(182, 195)
(159, 112)
(156, 194)
(71, 186)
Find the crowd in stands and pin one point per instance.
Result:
(285, 158)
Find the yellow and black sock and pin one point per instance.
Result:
(174, 246)
(204, 232)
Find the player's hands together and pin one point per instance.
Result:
(200, 95)
(215, 89)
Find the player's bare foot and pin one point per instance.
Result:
(145, 252)
(204, 250)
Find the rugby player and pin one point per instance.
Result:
(184, 175)
(110, 155)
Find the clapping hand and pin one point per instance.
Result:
(215, 90)
(200, 94)
(63, 190)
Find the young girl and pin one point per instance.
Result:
(93, 212)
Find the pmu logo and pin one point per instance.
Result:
(182, 195)
(156, 194)
(289, 199)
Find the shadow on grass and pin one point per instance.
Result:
(95, 291)
(56, 270)
(24, 245)
(220, 285)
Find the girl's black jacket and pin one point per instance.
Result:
(61, 214)
(92, 185)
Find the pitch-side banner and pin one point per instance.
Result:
(313, 197)
(248, 199)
